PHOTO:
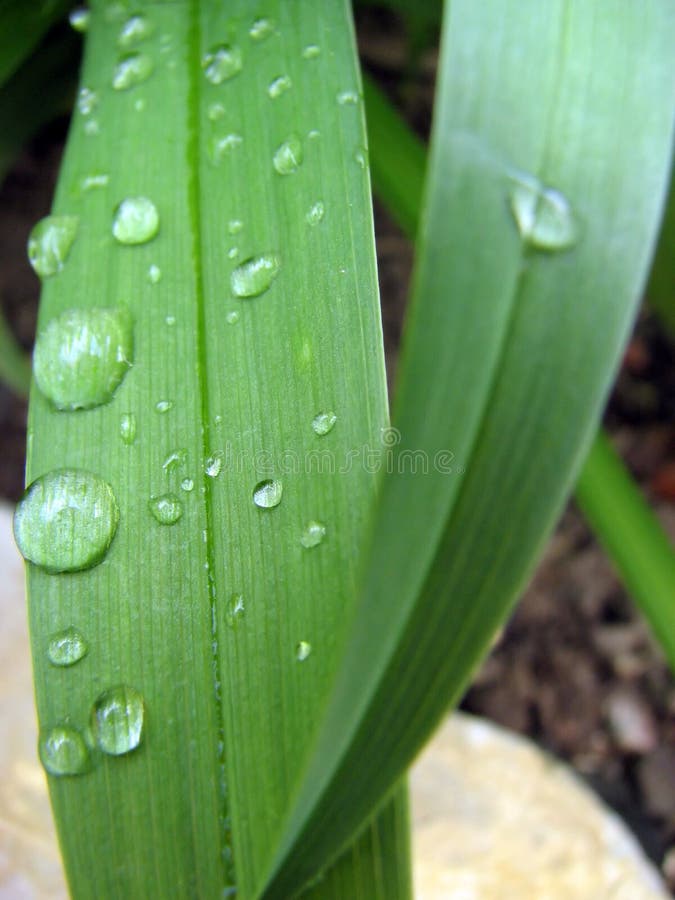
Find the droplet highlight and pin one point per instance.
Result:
(288, 156)
(303, 650)
(132, 69)
(323, 423)
(66, 520)
(79, 19)
(312, 535)
(542, 214)
(117, 720)
(221, 63)
(261, 29)
(50, 242)
(62, 751)
(214, 464)
(136, 221)
(136, 29)
(267, 494)
(66, 647)
(154, 274)
(166, 509)
(163, 406)
(255, 275)
(278, 86)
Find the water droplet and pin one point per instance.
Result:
(323, 422)
(267, 494)
(174, 460)
(187, 485)
(232, 317)
(117, 720)
(361, 158)
(87, 101)
(214, 464)
(261, 29)
(311, 51)
(279, 86)
(154, 274)
(136, 29)
(66, 647)
(132, 69)
(91, 182)
(234, 226)
(139, 104)
(316, 213)
(313, 535)
(233, 253)
(136, 221)
(128, 428)
(163, 406)
(221, 63)
(313, 134)
(166, 509)
(219, 146)
(216, 111)
(82, 356)
(170, 321)
(254, 276)
(63, 751)
(66, 520)
(543, 215)
(347, 98)
(235, 610)
(288, 156)
(217, 420)
(91, 127)
(79, 19)
(49, 243)
(302, 650)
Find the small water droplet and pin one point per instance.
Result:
(128, 428)
(163, 406)
(66, 520)
(50, 242)
(187, 485)
(311, 51)
(279, 86)
(361, 158)
(302, 650)
(316, 213)
(232, 317)
(136, 221)
(82, 356)
(87, 101)
(117, 720)
(235, 610)
(262, 28)
(221, 63)
(347, 98)
(136, 29)
(63, 751)
(91, 127)
(214, 464)
(313, 535)
(166, 509)
(174, 460)
(288, 156)
(267, 494)
(66, 647)
(154, 274)
(132, 69)
(543, 215)
(254, 276)
(219, 146)
(139, 104)
(92, 182)
(234, 226)
(233, 253)
(313, 134)
(323, 422)
(217, 420)
(79, 19)
(216, 111)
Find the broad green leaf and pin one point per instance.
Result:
(559, 115)
(22, 25)
(210, 608)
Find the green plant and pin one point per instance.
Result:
(271, 607)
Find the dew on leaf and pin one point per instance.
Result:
(63, 751)
(279, 86)
(255, 275)
(137, 28)
(163, 406)
(219, 146)
(260, 29)
(234, 226)
(136, 221)
(215, 111)
(312, 535)
(222, 62)
(128, 428)
(79, 19)
(87, 101)
(267, 494)
(174, 460)
(95, 181)
(117, 720)
(315, 213)
(288, 156)
(187, 485)
(66, 647)
(311, 51)
(323, 422)
(303, 650)
(232, 317)
(347, 98)
(50, 242)
(166, 509)
(542, 214)
(214, 464)
(132, 69)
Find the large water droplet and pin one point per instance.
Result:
(63, 751)
(313, 535)
(311, 51)
(323, 422)
(221, 63)
(288, 156)
(66, 520)
(79, 19)
(166, 509)
(220, 145)
(132, 69)
(214, 464)
(279, 86)
(315, 213)
(82, 356)
(92, 182)
(128, 428)
(262, 28)
(302, 650)
(87, 101)
(117, 720)
(66, 647)
(136, 221)
(267, 494)
(137, 28)
(49, 243)
(543, 215)
(254, 276)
